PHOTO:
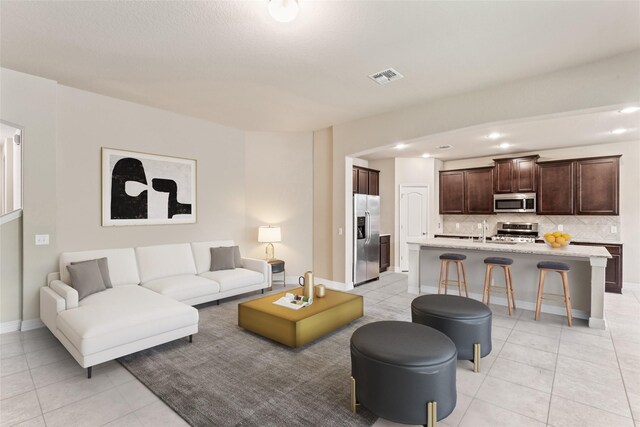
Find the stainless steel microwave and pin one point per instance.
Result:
(514, 202)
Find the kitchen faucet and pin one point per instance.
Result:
(485, 228)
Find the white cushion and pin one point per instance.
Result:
(123, 268)
(202, 253)
(234, 279)
(122, 315)
(183, 288)
(155, 262)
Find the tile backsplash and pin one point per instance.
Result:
(585, 228)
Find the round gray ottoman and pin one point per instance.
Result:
(399, 369)
(466, 321)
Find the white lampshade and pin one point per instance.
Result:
(269, 234)
(283, 10)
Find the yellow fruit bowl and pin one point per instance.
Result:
(557, 239)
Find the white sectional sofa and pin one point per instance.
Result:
(150, 303)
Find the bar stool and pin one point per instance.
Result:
(445, 259)
(562, 269)
(505, 263)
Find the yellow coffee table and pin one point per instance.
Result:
(296, 328)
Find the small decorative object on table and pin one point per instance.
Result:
(321, 291)
(557, 239)
(292, 301)
(306, 282)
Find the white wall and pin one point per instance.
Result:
(244, 179)
(279, 191)
(629, 194)
(322, 196)
(87, 122)
(30, 102)
(11, 271)
(613, 81)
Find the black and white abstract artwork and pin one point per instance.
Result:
(144, 189)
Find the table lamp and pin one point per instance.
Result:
(270, 235)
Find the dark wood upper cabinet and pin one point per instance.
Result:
(374, 185)
(468, 191)
(366, 181)
(479, 191)
(452, 192)
(556, 188)
(597, 185)
(516, 175)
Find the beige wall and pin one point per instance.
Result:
(613, 81)
(629, 194)
(322, 202)
(87, 122)
(279, 191)
(11, 271)
(30, 102)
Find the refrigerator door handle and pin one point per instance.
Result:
(367, 216)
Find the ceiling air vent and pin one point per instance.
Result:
(386, 76)
(445, 147)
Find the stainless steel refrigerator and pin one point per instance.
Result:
(366, 238)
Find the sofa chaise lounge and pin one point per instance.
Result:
(150, 302)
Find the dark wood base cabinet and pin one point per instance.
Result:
(385, 253)
(613, 273)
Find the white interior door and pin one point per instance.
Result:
(413, 219)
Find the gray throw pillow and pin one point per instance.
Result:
(86, 278)
(103, 265)
(222, 258)
(237, 258)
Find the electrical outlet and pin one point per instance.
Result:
(614, 229)
(479, 226)
(42, 239)
(560, 227)
(340, 231)
(457, 226)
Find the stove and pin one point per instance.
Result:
(516, 232)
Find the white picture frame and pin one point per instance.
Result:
(147, 189)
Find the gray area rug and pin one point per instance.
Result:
(231, 377)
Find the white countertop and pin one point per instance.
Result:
(578, 240)
(574, 251)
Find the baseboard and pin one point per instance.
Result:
(30, 324)
(338, 286)
(12, 326)
(497, 300)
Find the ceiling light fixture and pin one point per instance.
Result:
(400, 146)
(505, 145)
(426, 155)
(284, 10)
(618, 131)
(494, 135)
(628, 110)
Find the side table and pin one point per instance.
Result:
(277, 266)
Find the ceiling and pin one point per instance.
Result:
(542, 133)
(229, 62)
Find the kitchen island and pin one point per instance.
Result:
(586, 278)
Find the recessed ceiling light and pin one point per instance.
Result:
(283, 10)
(628, 110)
(426, 155)
(618, 131)
(445, 147)
(494, 135)
(400, 146)
(505, 145)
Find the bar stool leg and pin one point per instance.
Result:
(464, 280)
(540, 290)
(567, 296)
(458, 274)
(485, 290)
(440, 278)
(446, 278)
(489, 287)
(513, 293)
(508, 286)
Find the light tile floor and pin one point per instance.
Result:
(539, 373)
